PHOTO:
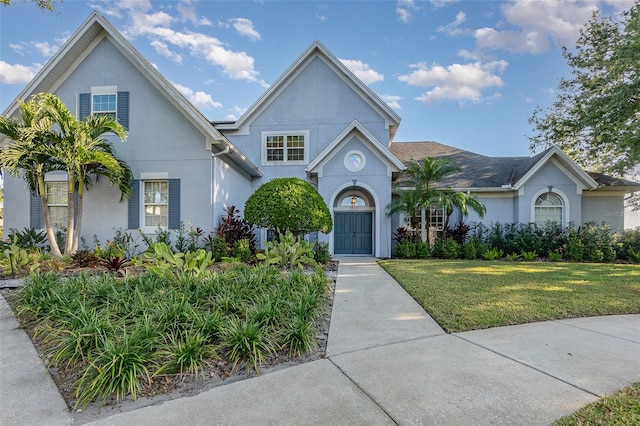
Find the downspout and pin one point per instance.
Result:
(213, 184)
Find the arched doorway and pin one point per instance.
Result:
(353, 214)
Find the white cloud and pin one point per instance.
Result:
(362, 71)
(162, 49)
(17, 73)
(536, 23)
(392, 101)
(236, 112)
(245, 28)
(199, 99)
(404, 10)
(44, 48)
(513, 41)
(461, 82)
(452, 28)
(236, 65)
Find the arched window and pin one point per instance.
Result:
(548, 208)
(353, 201)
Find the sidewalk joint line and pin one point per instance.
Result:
(413, 339)
(546, 373)
(594, 331)
(367, 394)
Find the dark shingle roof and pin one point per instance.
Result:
(480, 171)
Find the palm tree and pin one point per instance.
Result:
(424, 185)
(51, 138)
(463, 201)
(83, 151)
(408, 202)
(30, 154)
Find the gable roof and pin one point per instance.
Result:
(317, 49)
(368, 139)
(93, 30)
(479, 172)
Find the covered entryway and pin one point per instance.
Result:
(353, 229)
(353, 233)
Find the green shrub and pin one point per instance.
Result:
(555, 256)
(423, 250)
(450, 249)
(288, 253)
(242, 250)
(492, 254)
(574, 248)
(29, 239)
(529, 255)
(321, 253)
(513, 257)
(405, 250)
(233, 228)
(438, 248)
(469, 250)
(217, 246)
(288, 204)
(18, 257)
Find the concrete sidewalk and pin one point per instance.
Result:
(387, 362)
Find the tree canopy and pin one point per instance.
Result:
(594, 118)
(42, 4)
(288, 204)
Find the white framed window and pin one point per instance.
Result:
(104, 100)
(436, 220)
(155, 203)
(548, 207)
(285, 147)
(57, 202)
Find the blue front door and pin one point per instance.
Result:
(353, 233)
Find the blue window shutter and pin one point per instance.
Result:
(134, 205)
(123, 109)
(174, 203)
(84, 105)
(35, 220)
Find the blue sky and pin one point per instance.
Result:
(463, 73)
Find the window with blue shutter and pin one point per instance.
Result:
(153, 203)
(123, 109)
(174, 203)
(35, 218)
(116, 104)
(134, 205)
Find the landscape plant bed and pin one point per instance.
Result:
(466, 295)
(112, 343)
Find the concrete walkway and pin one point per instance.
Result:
(387, 362)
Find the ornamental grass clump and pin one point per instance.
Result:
(117, 333)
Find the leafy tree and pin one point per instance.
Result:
(594, 118)
(42, 4)
(49, 137)
(288, 204)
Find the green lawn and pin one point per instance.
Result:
(621, 408)
(466, 295)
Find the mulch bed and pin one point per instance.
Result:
(164, 388)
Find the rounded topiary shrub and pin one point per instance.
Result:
(288, 204)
